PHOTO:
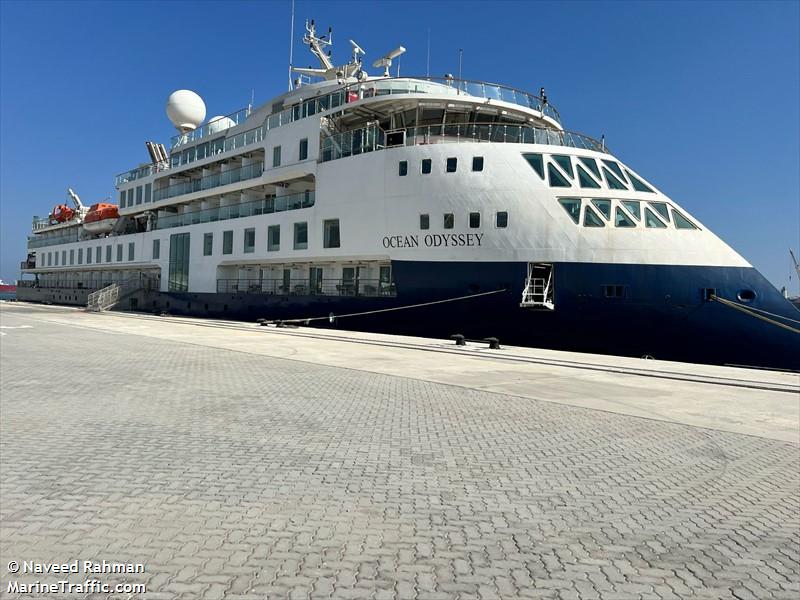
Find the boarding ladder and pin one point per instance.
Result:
(538, 290)
(109, 296)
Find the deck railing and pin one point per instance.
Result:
(308, 287)
(244, 173)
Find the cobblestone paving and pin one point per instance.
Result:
(236, 476)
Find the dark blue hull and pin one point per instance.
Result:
(662, 313)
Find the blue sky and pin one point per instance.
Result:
(701, 98)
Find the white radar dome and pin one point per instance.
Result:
(186, 110)
(219, 123)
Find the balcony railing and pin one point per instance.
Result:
(212, 127)
(41, 240)
(210, 181)
(235, 211)
(217, 146)
(371, 138)
(308, 287)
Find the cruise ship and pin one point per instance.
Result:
(412, 205)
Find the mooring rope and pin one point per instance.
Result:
(746, 310)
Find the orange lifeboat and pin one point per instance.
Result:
(101, 218)
(61, 214)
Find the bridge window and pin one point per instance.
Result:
(452, 164)
(573, 208)
(556, 178)
(682, 222)
(652, 221)
(449, 220)
(402, 168)
(156, 249)
(208, 244)
(615, 167)
(613, 182)
(604, 206)
(424, 221)
(622, 220)
(585, 179)
(501, 219)
(591, 218)
(273, 238)
(331, 233)
(661, 209)
(565, 162)
(638, 184)
(474, 220)
(590, 164)
(426, 166)
(249, 240)
(633, 208)
(301, 236)
(536, 162)
(227, 242)
(477, 163)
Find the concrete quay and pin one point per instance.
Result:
(236, 461)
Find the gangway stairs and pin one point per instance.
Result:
(538, 290)
(109, 296)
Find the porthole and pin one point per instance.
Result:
(746, 296)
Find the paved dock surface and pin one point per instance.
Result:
(236, 461)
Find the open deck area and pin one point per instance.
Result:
(240, 462)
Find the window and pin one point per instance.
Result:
(130, 197)
(273, 238)
(139, 195)
(208, 244)
(590, 164)
(330, 237)
(80, 256)
(573, 208)
(501, 219)
(88, 256)
(249, 240)
(536, 162)
(72, 257)
(651, 220)
(452, 165)
(119, 252)
(227, 242)
(300, 236)
(682, 222)
(592, 219)
(615, 167)
(613, 182)
(585, 180)
(477, 163)
(474, 220)
(179, 262)
(604, 206)
(303, 154)
(276, 156)
(661, 209)
(449, 220)
(621, 219)
(315, 280)
(56, 257)
(98, 254)
(122, 199)
(565, 162)
(556, 178)
(63, 258)
(156, 249)
(638, 184)
(615, 291)
(633, 208)
(402, 168)
(424, 222)
(148, 192)
(108, 253)
(131, 251)
(426, 166)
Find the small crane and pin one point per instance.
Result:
(76, 200)
(794, 260)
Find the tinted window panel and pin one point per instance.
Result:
(585, 179)
(502, 219)
(556, 178)
(633, 207)
(613, 182)
(591, 218)
(638, 184)
(661, 209)
(614, 167)
(591, 164)
(622, 220)
(565, 162)
(426, 165)
(573, 208)
(604, 206)
(682, 222)
(536, 162)
(651, 220)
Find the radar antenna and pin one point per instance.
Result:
(317, 44)
(386, 60)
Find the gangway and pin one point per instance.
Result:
(538, 290)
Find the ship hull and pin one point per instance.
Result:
(663, 313)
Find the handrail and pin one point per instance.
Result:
(238, 117)
(234, 211)
(308, 287)
(243, 173)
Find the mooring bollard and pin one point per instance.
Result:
(459, 339)
(494, 343)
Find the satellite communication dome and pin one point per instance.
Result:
(186, 110)
(219, 123)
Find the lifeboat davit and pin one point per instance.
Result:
(101, 218)
(61, 214)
